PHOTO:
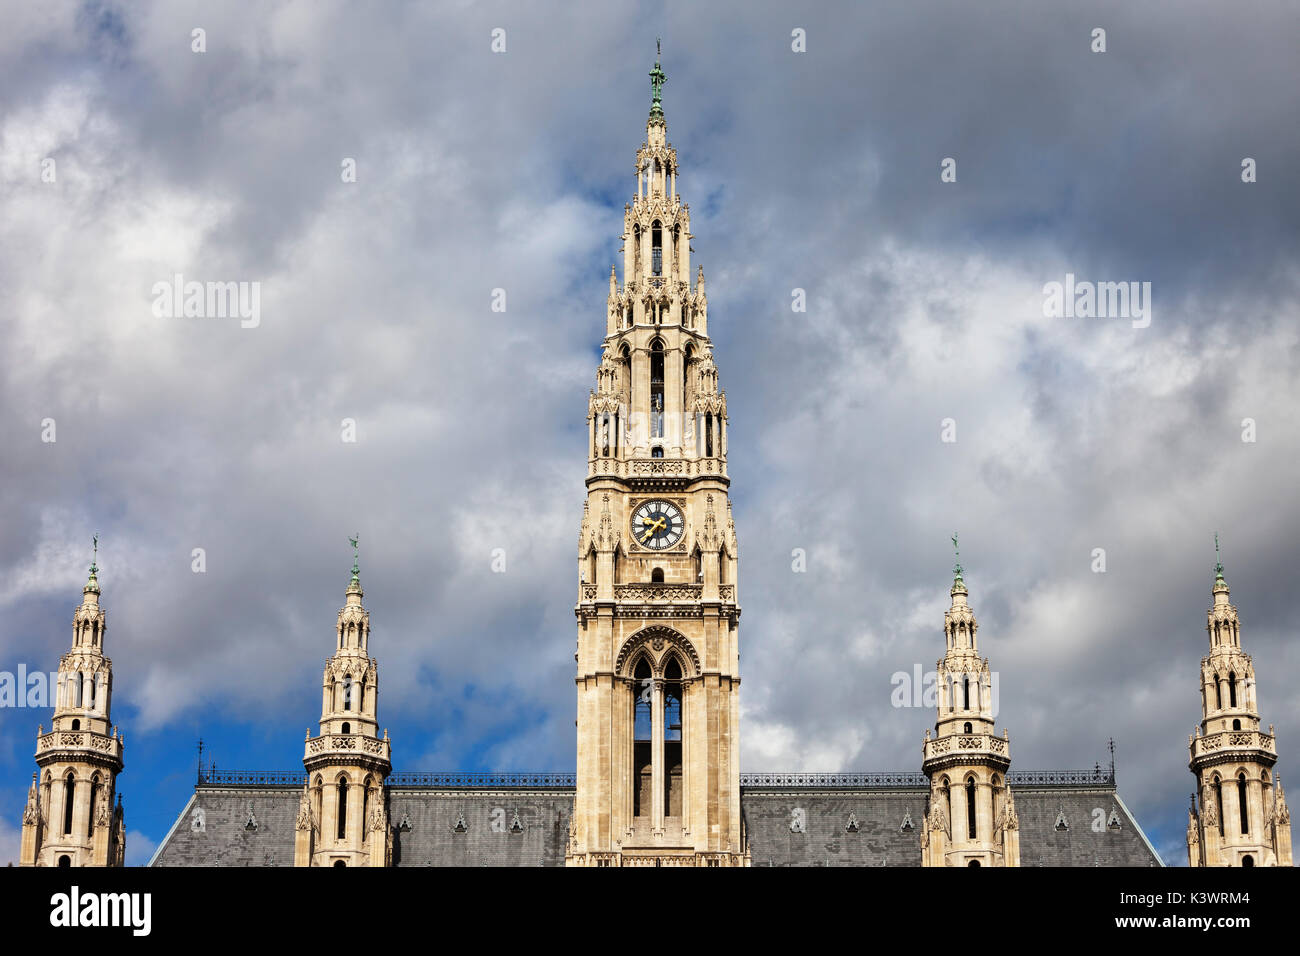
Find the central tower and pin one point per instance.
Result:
(658, 663)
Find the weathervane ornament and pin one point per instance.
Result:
(1218, 562)
(94, 560)
(355, 568)
(957, 569)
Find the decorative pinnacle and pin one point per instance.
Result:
(1218, 563)
(356, 570)
(957, 568)
(92, 584)
(657, 78)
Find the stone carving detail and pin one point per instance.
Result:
(1113, 822)
(1061, 822)
(1209, 810)
(101, 811)
(198, 820)
(852, 825)
(656, 593)
(461, 826)
(798, 820)
(668, 636)
(252, 819)
(938, 815)
(907, 821)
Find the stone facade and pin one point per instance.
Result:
(342, 817)
(70, 818)
(1243, 819)
(970, 817)
(658, 613)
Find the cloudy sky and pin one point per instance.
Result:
(480, 170)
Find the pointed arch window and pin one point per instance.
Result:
(656, 245)
(673, 739)
(94, 798)
(365, 805)
(343, 808)
(642, 732)
(970, 807)
(1232, 688)
(1241, 803)
(347, 692)
(69, 794)
(1218, 803)
(657, 389)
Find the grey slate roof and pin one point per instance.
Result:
(490, 837)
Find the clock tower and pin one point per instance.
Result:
(658, 780)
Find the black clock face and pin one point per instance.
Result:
(657, 524)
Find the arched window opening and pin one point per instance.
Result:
(1218, 802)
(970, 808)
(673, 739)
(656, 249)
(69, 792)
(697, 560)
(965, 683)
(94, 800)
(1241, 803)
(636, 249)
(657, 451)
(347, 692)
(81, 688)
(92, 682)
(365, 806)
(340, 863)
(1218, 695)
(1247, 860)
(1236, 725)
(657, 576)
(1232, 689)
(657, 389)
(343, 807)
(65, 861)
(708, 435)
(973, 863)
(347, 728)
(642, 729)
(967, 727)
(76, 724)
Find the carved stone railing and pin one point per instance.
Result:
(361, 743)
(966, 743)
(1233, 740)
(79, 740)
(645, 593)
(658, 593)
(657, 467)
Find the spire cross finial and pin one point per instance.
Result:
(94, 560)
(1218, 561)
(957, 569)
(353, 541)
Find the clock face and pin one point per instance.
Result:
(657, 524)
